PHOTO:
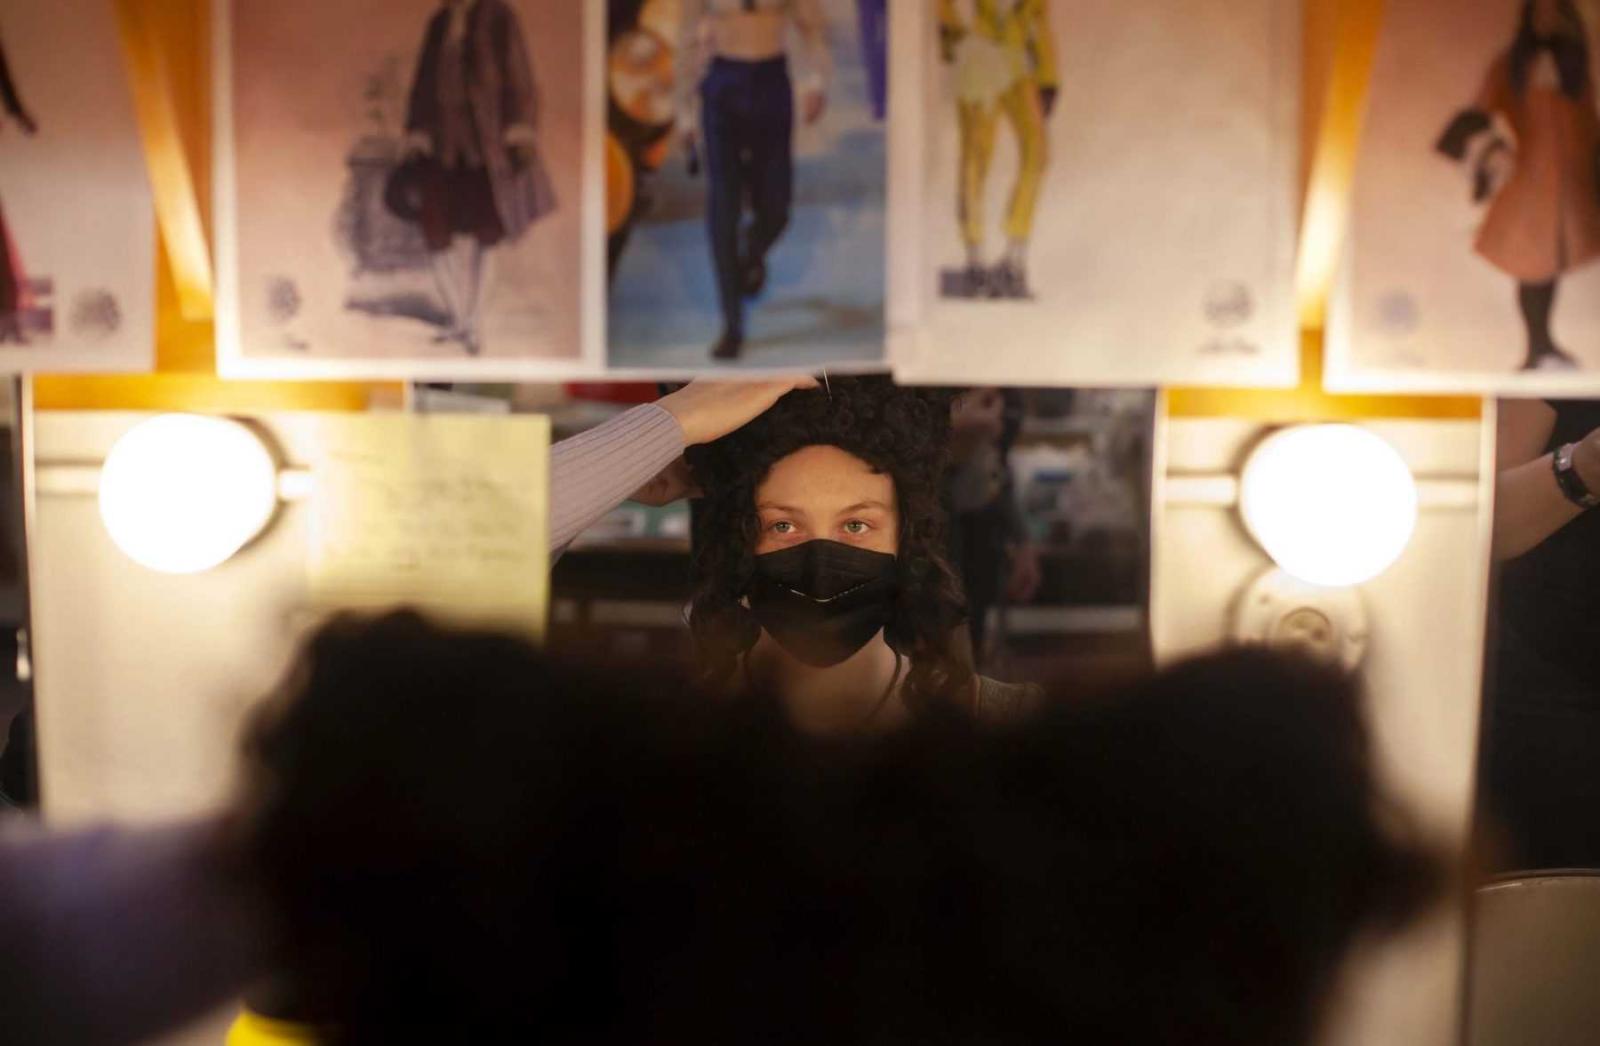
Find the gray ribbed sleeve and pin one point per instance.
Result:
(595, 471)
(117, 934)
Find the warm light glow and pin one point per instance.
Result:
(180, 493)
(1333, 505)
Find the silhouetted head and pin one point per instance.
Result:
(461, 837)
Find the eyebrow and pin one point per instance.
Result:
(770, 506)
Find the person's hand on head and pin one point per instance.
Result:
(672, 483)
(709, 409)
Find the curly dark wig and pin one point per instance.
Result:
(897, 430)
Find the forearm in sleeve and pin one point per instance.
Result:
(116, 935)
(595, 471)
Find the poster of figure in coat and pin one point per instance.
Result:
(1094, 194)
(77, 232)
(401, 187)
(746, 159)
(1476, 209)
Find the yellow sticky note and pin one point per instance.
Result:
(446, 513)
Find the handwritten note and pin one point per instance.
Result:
(446, 513)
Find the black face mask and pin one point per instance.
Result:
(823, 600)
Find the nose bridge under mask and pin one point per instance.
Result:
(824, 570)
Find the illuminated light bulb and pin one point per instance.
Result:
(181, 493)
(1333, 505)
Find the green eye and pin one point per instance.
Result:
(783, 526)
(855, 526)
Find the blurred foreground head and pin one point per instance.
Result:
(463, 837)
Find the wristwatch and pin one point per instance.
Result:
(1572, 485)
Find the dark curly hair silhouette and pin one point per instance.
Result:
(458, 837)
(896, 430)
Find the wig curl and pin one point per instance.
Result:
(900, 431)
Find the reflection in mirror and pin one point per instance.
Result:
(1049, 527)
(1540, 764)
(1045, 498)
(18, 774)
(1535, 921)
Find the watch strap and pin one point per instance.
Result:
(1573, 488)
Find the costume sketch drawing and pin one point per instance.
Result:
(444, 151)
(1094, 194)
(1543, 220)
(474, 178)
(1003, 60)
(1475, 215)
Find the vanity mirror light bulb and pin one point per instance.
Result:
(181, 493)
(1333, 505)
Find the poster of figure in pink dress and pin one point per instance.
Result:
(1476, 210)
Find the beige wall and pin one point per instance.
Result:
(143, 678)
(1423, 667)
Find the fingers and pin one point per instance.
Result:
(708, 408)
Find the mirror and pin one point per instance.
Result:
(1539, 767)
(1536, 915)
(1047, 498)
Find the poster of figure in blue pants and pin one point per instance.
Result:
(749, 140)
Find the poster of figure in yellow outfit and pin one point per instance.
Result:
(1004, 66)
(1094, 194)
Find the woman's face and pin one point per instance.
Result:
(824, 492)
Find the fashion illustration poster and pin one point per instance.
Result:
(77, 231)
(401, 187)
(1094, 193)
(745, 172)
(1475, 221)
